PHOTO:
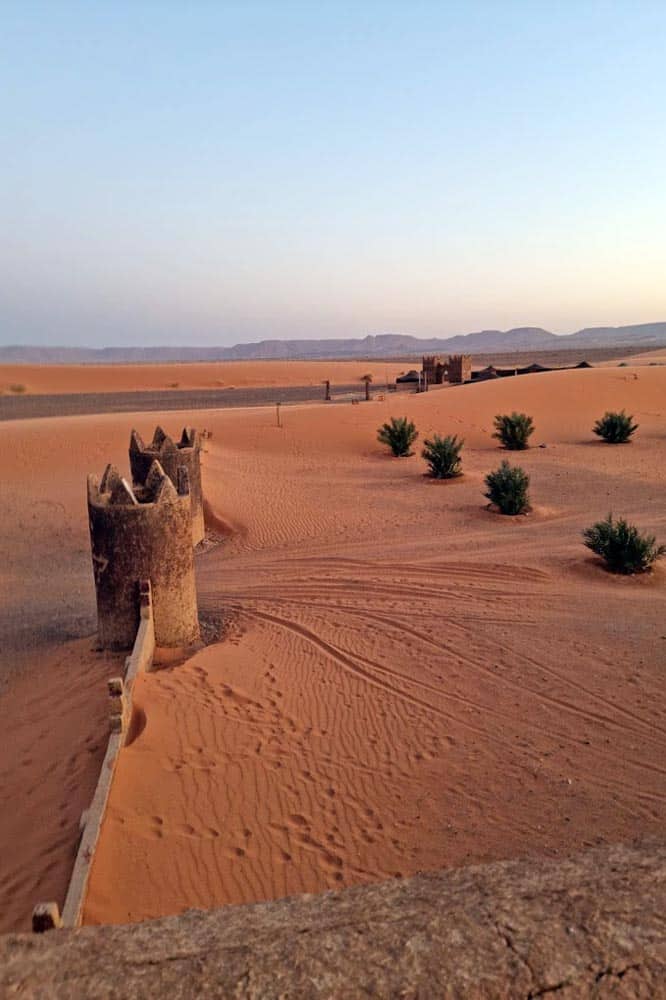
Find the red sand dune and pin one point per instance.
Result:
(407, 680)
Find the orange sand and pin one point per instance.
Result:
(650, 357)
(44, 379)
(53, 721)
(408, 681)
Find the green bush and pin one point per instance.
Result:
(507, 489)
(513, 430)
(17, 387)
(399, 434)
(622, 546)
(615, 428)
(443, 456)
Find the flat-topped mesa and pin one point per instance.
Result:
(143, 533)
(172, 456)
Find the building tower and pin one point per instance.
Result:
(172, 456)
(460, 368)
(137, 534)
(433, 369)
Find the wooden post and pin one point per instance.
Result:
(118, 712)
(277, 413)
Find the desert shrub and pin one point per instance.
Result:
(616, 428)
(17, 387)
(507, 489)
(513, 430)
(399, 434)
(443, 456)
(622, 546)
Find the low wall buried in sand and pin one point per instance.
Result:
(588, 926)
(46, 915)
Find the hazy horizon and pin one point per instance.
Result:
(228, 173)
(137, 344)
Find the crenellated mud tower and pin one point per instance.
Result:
(172, 456)
(460, 368)
(456, 369)
(137, 534)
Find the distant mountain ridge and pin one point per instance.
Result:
(373, 346)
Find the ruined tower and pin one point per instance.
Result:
(172, 456)
(137, 534)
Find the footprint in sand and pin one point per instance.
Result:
(156, 829)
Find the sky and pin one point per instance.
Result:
(216, 172)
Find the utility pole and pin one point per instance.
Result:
(277, 414)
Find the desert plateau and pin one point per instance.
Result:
(400, 679)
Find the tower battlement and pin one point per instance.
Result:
(172, 456)
(143, 532)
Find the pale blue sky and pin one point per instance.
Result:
(209, 172)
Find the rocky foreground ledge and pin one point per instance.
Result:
(593, 925)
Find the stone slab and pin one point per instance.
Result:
(593, 925)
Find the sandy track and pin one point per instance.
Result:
(408, 681)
